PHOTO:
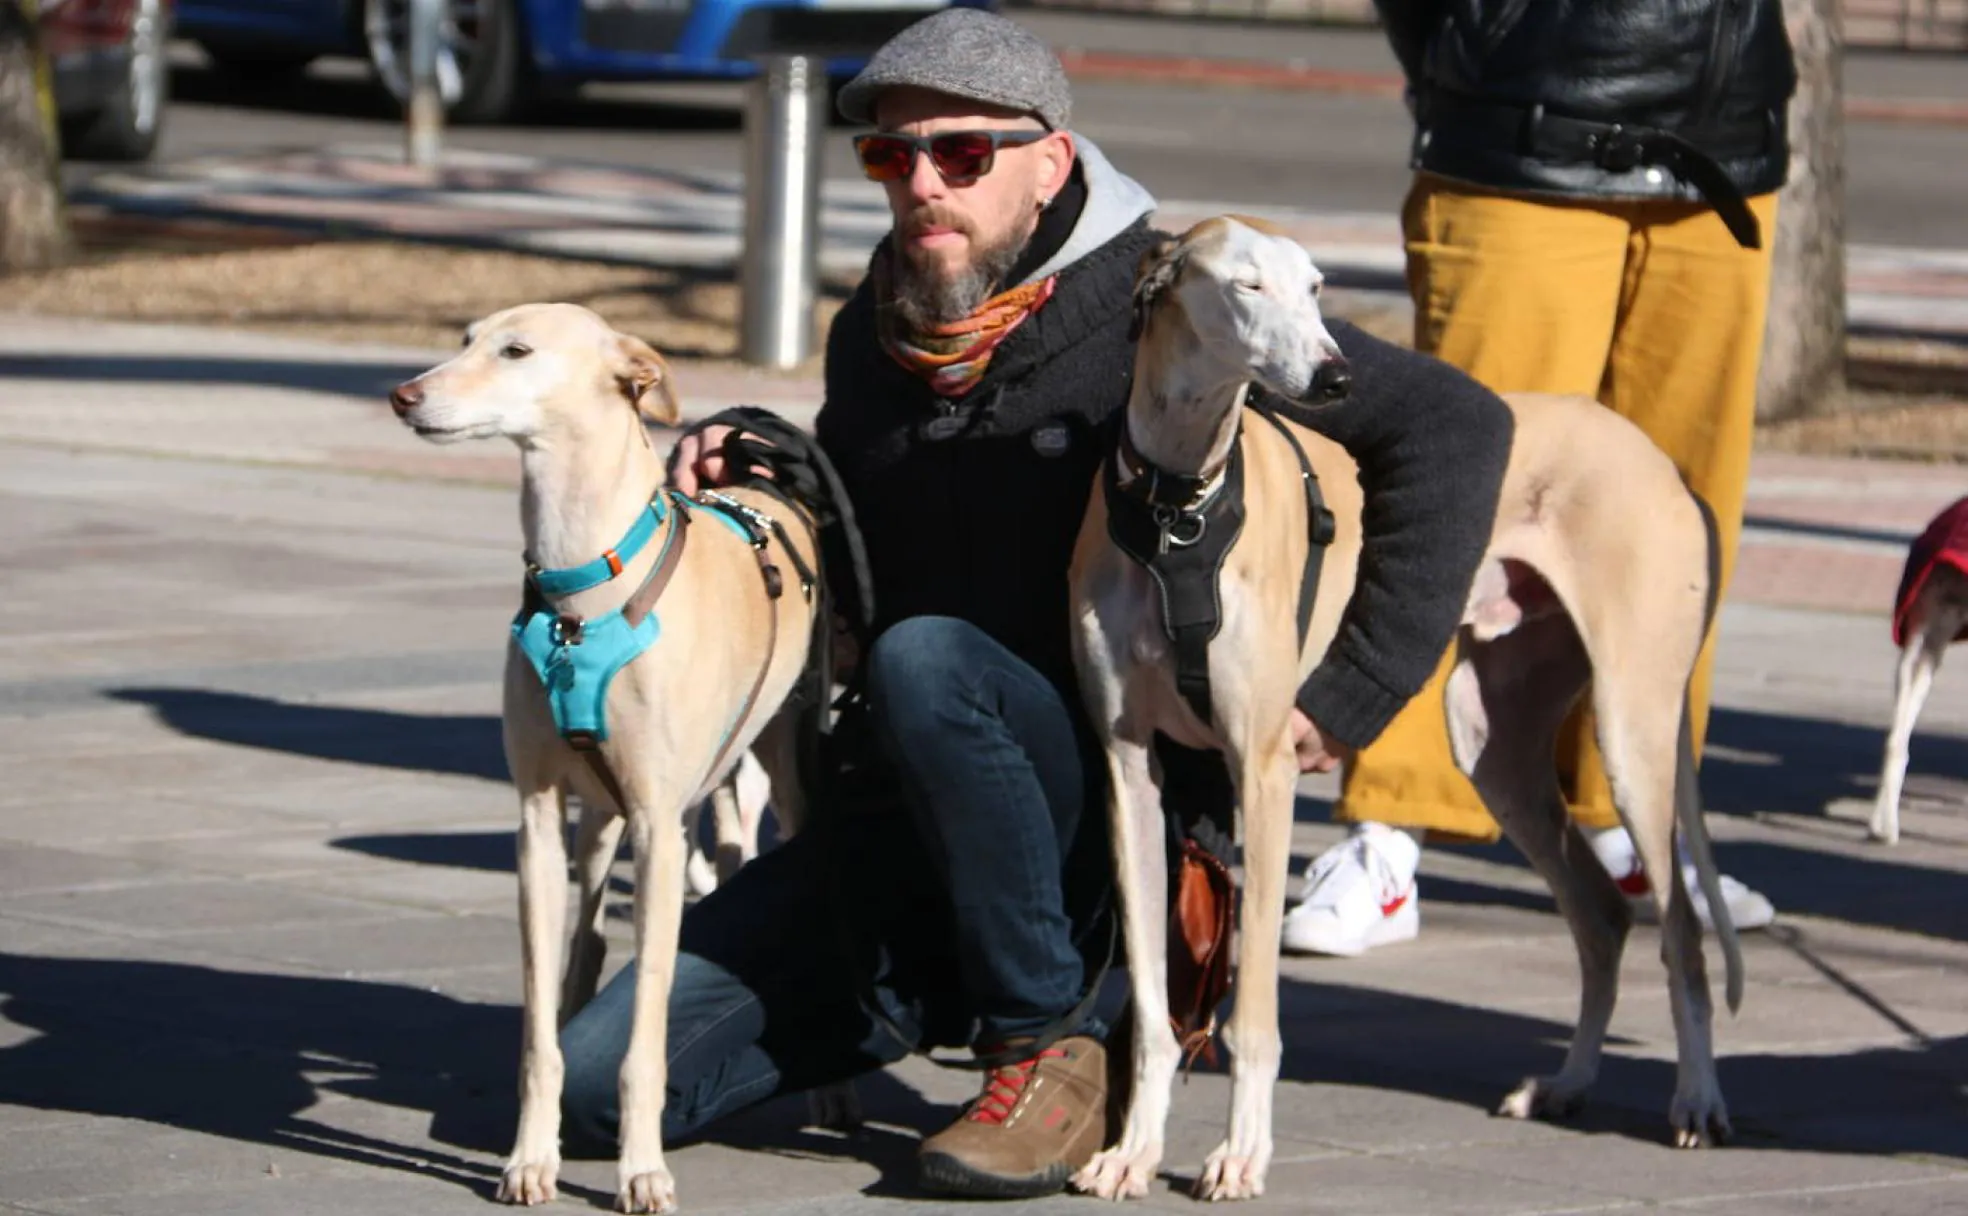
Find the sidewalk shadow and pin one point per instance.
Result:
(360, 379)
(244, 1055)
(1879, 1100)
(465, 745)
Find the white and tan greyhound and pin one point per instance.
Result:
(687, 679)
(1934, 622)
(1598, 575)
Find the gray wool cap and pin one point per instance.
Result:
(967, 53)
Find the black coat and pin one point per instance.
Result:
(972, 509)
(1521, 94)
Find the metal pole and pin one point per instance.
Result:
(785, 120)
(426, 110)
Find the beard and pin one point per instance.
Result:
(927, 294)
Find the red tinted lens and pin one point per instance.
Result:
(961, 155)
(885, 158)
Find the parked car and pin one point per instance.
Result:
(501, 55)
(109, 75)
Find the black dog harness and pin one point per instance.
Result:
(1181, 528)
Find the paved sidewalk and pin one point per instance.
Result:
(257, 941)
(667, 218)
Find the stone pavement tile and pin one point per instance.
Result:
(364, 799)
(54, 1165)
(94, 825)
(1413, 1184)
(1926, 1197)
(1659, 1174)
(337, 1194)
(445, 888)
(391, 943)
(190, 907)
(29, 870)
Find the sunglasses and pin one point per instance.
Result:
(960, 156)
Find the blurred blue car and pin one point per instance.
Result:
(501, 55)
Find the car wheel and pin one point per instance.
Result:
(127, 126)
(482, 71)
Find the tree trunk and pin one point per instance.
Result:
(1803, 368)
(33, 224)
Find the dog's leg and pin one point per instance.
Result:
(1649, 753)
(1919, 661)
(1266, 781)
(1506, 700)
(644, 1180)
(534, 1167)
(595, 841)
(1140, 844)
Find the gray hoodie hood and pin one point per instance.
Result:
(1114, 201)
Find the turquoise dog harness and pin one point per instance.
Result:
(577, 659)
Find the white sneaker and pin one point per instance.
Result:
(1358, 894)
(1748, 909)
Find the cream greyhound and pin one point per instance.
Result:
(573, 395)
(1598, 575)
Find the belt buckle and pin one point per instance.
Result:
(1617, 150)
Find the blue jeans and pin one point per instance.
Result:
(966, 894)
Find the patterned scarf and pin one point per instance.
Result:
(952, 356)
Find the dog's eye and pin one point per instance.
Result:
(515, 350)
(1249, 285)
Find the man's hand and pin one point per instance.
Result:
(1318, 752)
(699, 460)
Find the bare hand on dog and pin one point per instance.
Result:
(699, 460)
(1318, 752)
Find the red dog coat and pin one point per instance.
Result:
(1944, 543)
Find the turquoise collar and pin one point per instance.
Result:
(569, 580)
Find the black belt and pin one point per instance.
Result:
(1691, 155)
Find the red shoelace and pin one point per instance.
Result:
(1002, 1089)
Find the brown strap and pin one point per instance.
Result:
(639, 606)
(643, 602)
(774, 587)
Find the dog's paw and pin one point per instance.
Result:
(1230, 1175)
(1700, 1120)
(1542, 1098)
(1113, 1174)
(529, 1182)
(646, 1190)
(834, 1108)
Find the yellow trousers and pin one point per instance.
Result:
(1652, 308)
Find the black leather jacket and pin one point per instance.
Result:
(1601, 98)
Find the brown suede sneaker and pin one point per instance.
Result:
(1036, 1123)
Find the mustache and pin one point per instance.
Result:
(932, 216)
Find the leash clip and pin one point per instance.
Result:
(1167, 520)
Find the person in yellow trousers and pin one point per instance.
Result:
(1592, 212)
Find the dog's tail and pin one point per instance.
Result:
(1687, 790)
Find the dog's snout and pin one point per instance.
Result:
(1332, 381)
(406, 397)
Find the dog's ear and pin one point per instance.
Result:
(645, 379)
(1155, 273)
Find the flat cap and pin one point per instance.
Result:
(967, 53)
